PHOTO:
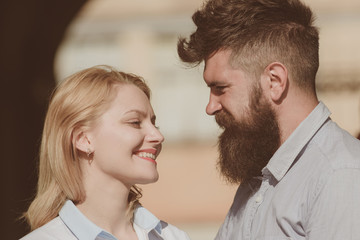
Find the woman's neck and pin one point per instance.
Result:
(106, 205)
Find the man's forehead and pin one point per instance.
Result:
(216, 65)
(213, 79)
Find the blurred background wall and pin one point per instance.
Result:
(30, 32)
(140, 37)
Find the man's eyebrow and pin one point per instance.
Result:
(214, 84)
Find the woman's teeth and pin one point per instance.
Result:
(147, 155)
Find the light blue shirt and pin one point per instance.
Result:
(310, 189)
(71, 224)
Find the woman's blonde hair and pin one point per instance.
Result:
(76, 103)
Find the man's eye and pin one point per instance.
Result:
(219, 88)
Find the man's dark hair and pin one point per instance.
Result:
(258, 32)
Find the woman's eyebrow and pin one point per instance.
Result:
(142, 113)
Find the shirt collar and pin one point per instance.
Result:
(78, 224)
(284, 157)
(146, 220)
(84, 229)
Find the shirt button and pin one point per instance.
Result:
(259, 199)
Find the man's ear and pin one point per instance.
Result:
(277, 76)
(81, 141)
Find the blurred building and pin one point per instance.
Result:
(140, 37)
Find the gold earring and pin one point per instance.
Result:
(88, 152)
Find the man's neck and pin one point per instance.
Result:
(293, 110)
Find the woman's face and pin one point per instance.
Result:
(125, 140)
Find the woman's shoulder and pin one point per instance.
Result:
(170, 232)
(53, 230)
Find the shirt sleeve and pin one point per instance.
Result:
(335, 213)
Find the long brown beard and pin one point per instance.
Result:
(247, 145)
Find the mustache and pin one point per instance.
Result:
(224, 119)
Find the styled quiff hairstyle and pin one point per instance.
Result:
(258, 32)
(77, 103)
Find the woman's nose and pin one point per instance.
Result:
(155, 135)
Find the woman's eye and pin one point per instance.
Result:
(135, 123)
(154, 124)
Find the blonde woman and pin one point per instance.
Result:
(99, 141)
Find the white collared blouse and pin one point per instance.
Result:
(71, 224)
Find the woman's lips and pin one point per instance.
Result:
(147, 154)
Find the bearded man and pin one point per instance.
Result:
(298, 171)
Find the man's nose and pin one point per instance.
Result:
(213, 106)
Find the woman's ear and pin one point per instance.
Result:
(277, 76)
(81, 141)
